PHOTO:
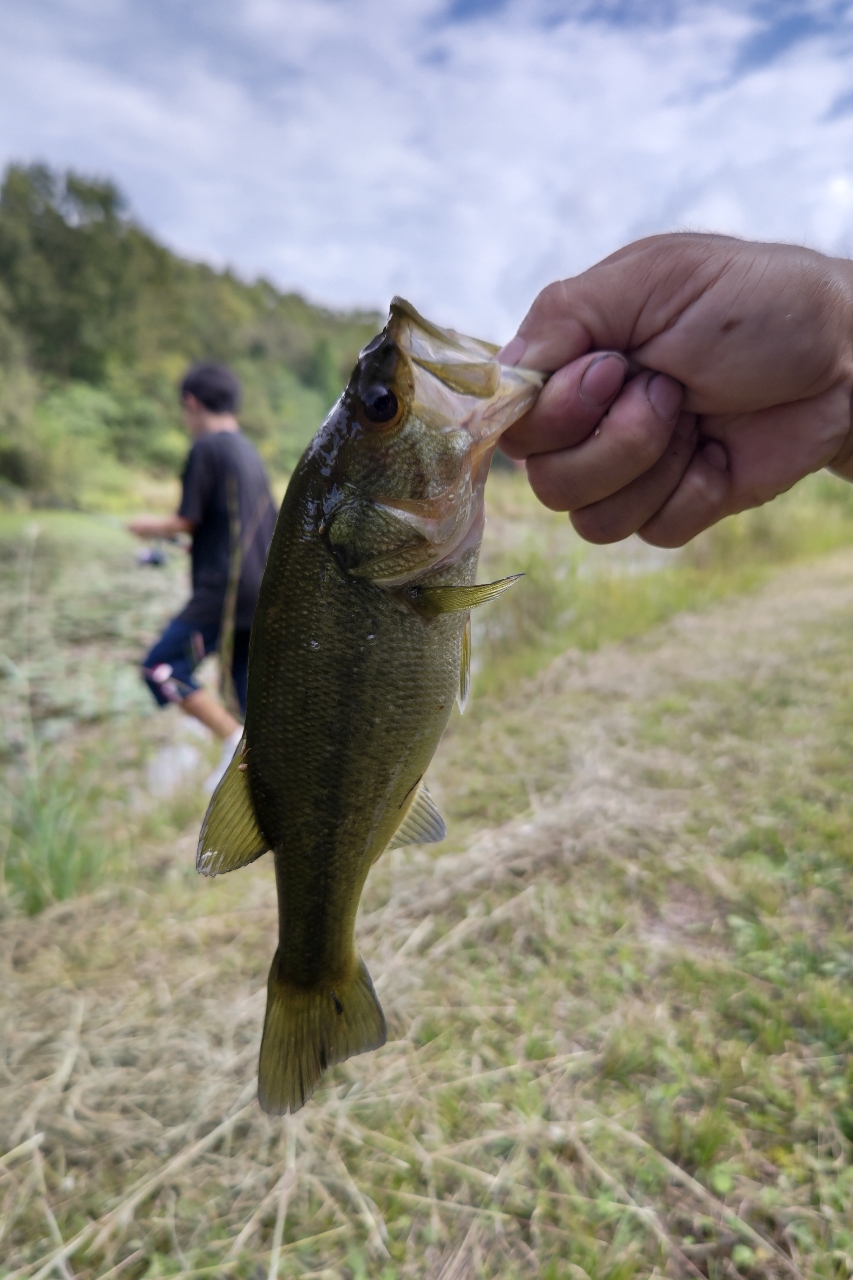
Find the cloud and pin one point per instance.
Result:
(461, 153)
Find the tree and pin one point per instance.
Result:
(67, 261)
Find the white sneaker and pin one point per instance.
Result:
(229, 746)
(172, 769)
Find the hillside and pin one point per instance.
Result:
(98, 322)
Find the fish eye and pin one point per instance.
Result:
(379, 403)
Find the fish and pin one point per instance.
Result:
(360, 644)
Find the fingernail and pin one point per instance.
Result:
(715, 455)
(602, 379)
(685, 425)
(512, 352)
(664, 395)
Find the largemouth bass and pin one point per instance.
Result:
(360, 643)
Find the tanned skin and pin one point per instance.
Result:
(693, 376)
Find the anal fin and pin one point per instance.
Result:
(422, 824)
(230, 836)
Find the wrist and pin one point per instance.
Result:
(842, 463)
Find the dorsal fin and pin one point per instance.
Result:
(230, 835)
(423, 824)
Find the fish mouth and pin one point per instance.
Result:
(447, 365)
(435, 382)
(454, 385)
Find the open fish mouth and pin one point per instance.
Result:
(413, 436)
(446, 365)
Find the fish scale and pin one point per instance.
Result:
(359, 648)
(339, 734)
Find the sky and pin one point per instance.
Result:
(463, 153)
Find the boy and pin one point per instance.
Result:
(227, 508)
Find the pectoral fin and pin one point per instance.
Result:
(230, 835)
(430, 602)
(423, 824)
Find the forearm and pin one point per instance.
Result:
(159, 526)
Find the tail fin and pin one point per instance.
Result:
(306, 1031)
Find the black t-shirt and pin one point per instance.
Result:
(205, 501)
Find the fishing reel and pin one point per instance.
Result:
(154, 556)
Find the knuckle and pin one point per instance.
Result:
(709, 486)
(552, 299)
(548, 307)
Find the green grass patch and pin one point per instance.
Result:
(52, 852)
(577, 596)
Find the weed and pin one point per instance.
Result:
(51, 853)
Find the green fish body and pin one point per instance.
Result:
(360, 645)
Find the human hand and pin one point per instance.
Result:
(742, 362)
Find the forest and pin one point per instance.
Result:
(98, 322)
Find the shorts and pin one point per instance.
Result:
(169, 668)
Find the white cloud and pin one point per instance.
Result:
(356, 149)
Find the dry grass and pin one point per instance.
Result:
(621, 1023)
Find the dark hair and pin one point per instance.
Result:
(214, 386)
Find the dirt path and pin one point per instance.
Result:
(620, 1025)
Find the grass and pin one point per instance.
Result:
(575, 599)
(577, 596)
(619, 997)
(50, 854)
(78, 727)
